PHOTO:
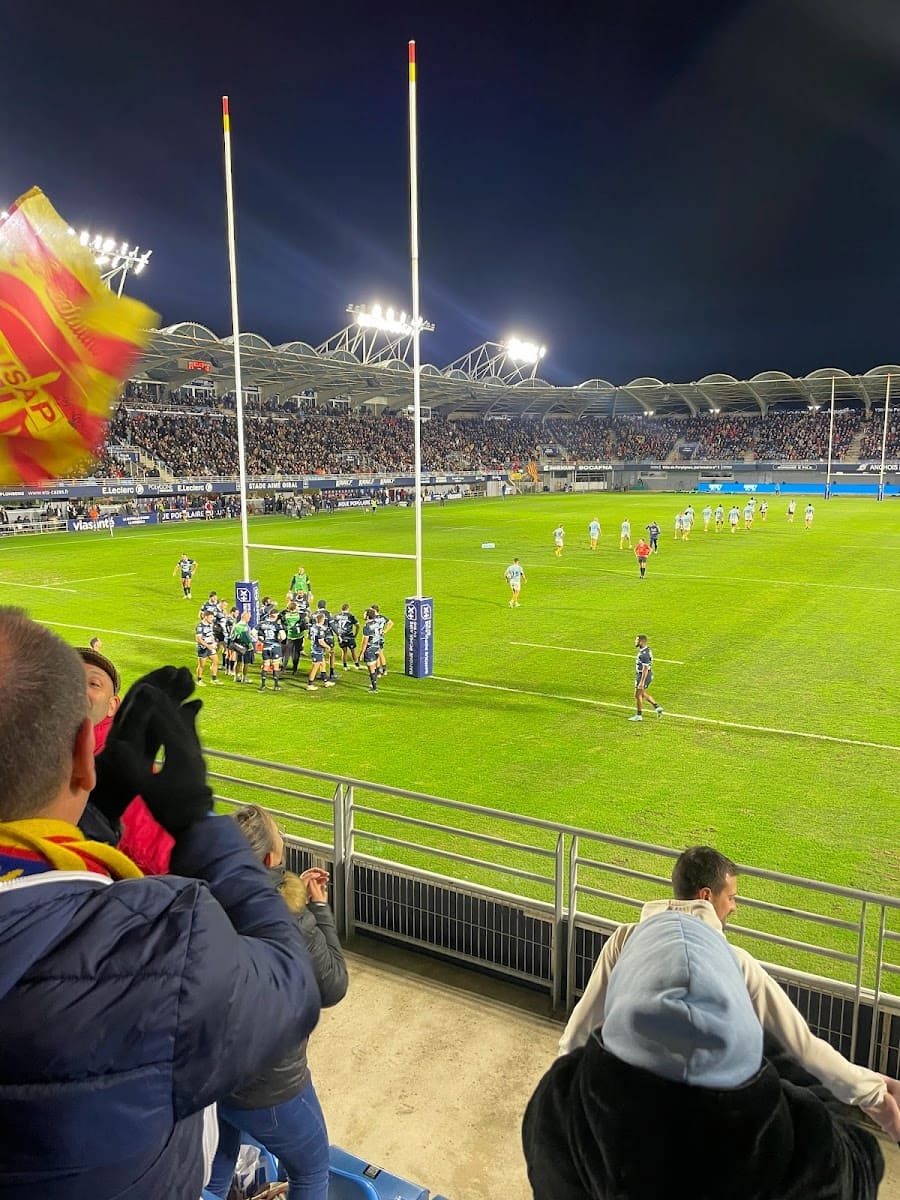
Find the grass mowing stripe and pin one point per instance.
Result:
(794, 733)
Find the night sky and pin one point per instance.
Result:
(648, 188)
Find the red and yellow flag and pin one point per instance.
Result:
(67, 344)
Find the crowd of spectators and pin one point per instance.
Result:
(288, 437)
(873, 431)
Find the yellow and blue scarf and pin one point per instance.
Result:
(36, 844)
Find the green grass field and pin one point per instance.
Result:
(759, 638)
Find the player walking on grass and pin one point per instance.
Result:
(558, 537)
(720, 518)
(792, 508)
(641, 553)
(347, 627)
(594, 531)
(707, 516)
(653, 532)
(808, 516)
(643, 677)
(187, 567)
(515, 577)
(318, 652)
(763, 509)
(734, 515)
(625, 534)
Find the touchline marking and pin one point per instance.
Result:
(674, 662)
(142, 637)
(40, 587)
(795, 733)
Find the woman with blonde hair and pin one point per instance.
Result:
(279, 1107)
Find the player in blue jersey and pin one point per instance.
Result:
(370, 649)
(205, 640)
(558, 538)
(211, 605)
(515, 577)
(330, 636)
(720, 518)
(625, 534)
(271, 633)
(643, 677)
(594, 532)
(318, 652)
(223, 623)
(187, 567)
(653, 532)
(734, 515)
(346, 627)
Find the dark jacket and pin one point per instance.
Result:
(291, 1075)
(599, 1129)
(126, 1008)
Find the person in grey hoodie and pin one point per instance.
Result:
(676, 1094)
(279, 1107)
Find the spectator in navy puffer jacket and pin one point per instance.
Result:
(128, 1005)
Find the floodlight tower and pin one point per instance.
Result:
(113, 259)
(512, 361)
(376, 334)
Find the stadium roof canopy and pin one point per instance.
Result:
(188, 353)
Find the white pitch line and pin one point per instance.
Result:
(94, 578)
(674, 662)
(796, 733)
(141, 637)
(40, 587)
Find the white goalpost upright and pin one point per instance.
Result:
(418, 609)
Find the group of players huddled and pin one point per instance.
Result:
(224, 637)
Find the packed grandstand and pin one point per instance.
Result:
(191, 437)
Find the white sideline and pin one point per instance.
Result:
(796, 733)
(94, 578)
(40, 587)
(141, 637)
(673, 662)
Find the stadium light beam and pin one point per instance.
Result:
(521, 351)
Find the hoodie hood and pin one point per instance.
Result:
(677, 1006)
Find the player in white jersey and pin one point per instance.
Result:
(625, 534)
(734, 515)
(679, 525)
(594, 532)
(707, 517)
(720, 518)
(792, 508)
(748, 515)
(808, 515)
(763, 509)
(558, 535)
(515, 577)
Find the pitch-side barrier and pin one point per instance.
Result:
(534, 900)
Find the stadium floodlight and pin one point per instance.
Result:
(113, 258)
(377, 334)
(509, 361)
(521, 351)
(387, 320)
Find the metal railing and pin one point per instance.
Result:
(534, 899)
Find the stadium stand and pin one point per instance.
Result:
(196, 439)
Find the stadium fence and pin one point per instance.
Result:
(534, 900)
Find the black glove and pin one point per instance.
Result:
(178, 795)
(122, 759)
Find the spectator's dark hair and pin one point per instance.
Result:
(700, 867)
(42, 682)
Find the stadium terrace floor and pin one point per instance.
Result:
(425, 1069)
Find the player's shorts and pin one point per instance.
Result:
(558, 541)
(185, 575)
(271, 653)
(348, 643)
(515, 584)
(244, 653)
(371, 654)
(205, 651)
(642, 559)
(317, 654)
(647, 681)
